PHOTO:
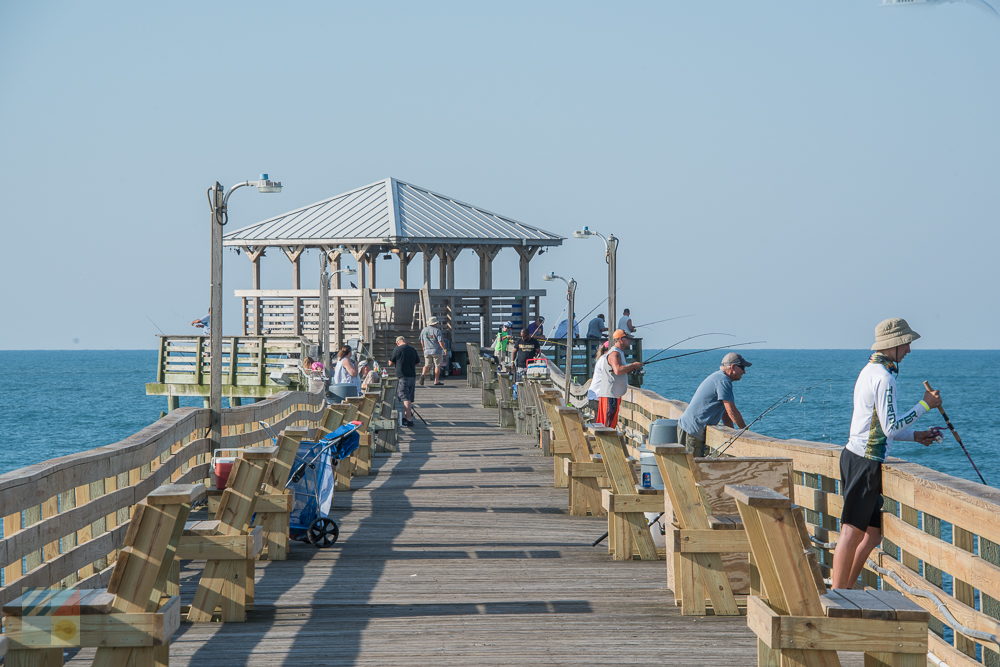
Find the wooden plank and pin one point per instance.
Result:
(694, 540)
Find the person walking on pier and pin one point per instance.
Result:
(713, 401)
(433, 343)
(596, 327)
(875, 425)
(404, 359)
(625, 322)
(501, 344)
(610, 381)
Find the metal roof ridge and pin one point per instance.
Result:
(478, 208)
(393, 201)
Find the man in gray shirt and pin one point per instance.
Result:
(713, 401)
(596, 327)
(432, 341)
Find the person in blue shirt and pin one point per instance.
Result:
(713, 401)
(596, 327)
(205, 323)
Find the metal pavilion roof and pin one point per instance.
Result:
(390, 212)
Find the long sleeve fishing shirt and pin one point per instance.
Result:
(877, 421)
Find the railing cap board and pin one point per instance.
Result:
(757, 496)
(36, 483)
(169, 494)
(598, 429)
(670, 449)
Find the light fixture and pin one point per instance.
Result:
(583, 233)
(549, 277)
(265, 184)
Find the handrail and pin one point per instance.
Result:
(64, 519)
(941, 533)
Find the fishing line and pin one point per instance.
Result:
(155, 325)
(687, 354)
(944, 415)
(787, 398)
(594, 308)
(682, 340)
(666, 319)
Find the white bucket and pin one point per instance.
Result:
(651, 479)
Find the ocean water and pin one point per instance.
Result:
(54, 403)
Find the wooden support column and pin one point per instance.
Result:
(372, 258)
(254, 253)
(405, 257)
(525, 253)
(360, 254)
(427, 252)
(294, 253)
(487, 253)
(442, 255)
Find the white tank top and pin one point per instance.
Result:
(605, 382)
(341, 376)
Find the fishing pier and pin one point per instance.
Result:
(475, 536)
(459, 542)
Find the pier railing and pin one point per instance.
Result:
(64, 519)
(183, 364)
(941, 533)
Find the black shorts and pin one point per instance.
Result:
(861, 486)
(405, 388)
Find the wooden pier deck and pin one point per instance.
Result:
(459, 551)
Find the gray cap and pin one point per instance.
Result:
(735, 359)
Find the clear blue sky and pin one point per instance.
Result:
(791, 171)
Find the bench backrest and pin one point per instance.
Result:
(610, 444)
(475, 360)
(789, 574)
(551, 402)
(238, 500)
(143, 564)
(576, 436)
(696, 485)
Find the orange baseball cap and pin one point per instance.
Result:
(620, 333)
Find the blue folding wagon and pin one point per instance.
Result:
(312, 483)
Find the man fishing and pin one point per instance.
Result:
(596, 327)
(610, 381)
(713, 401)
(875, 425)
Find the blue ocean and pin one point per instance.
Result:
(54, 403)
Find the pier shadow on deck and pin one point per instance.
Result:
(458, 551)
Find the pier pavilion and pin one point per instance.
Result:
(384, 223)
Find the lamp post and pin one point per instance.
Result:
(611, 257)
(218, 203)
(325, 279)
(570, 322)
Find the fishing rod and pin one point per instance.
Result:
(944, 415)
(648, 525)
(413, 409)
(682, 340)
(155, 325)
(666, 319)
(594, 308)
(687, 354)
(787, 398)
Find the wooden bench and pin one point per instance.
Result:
(707, 550)
(796, 621)
(474, 373)
(228, 544)
(489, 384)
(558, 446)
(625, 502)
(132, 621)
(385, 419)
(584, 469)
(504, 401)
(275, 501)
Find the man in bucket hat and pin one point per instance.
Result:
(713, 401)
(877, 423)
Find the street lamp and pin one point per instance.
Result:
(610, 256)
(218, 203)
(570, 322)
(325, 278)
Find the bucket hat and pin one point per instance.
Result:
(432, 321)
(892, 332)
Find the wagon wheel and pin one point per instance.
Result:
(323, 532)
